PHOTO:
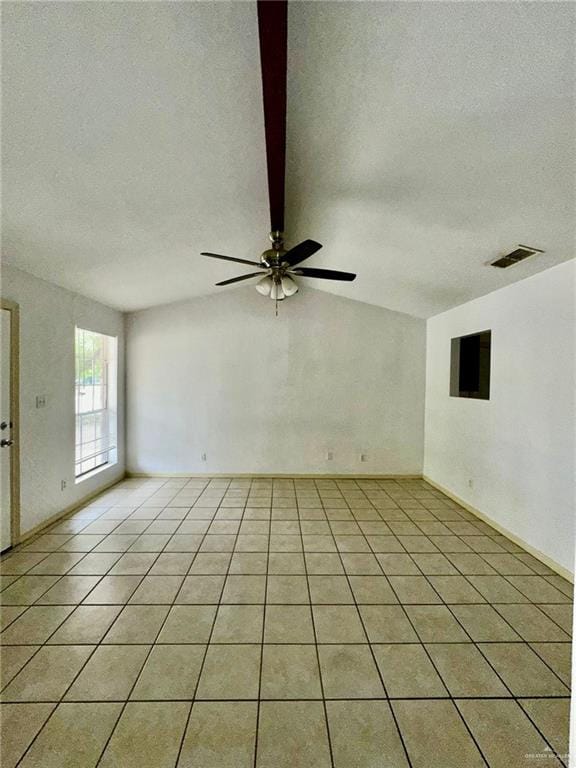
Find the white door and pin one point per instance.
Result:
(5, 432)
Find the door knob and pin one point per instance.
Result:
(6, 424)
(5, 443)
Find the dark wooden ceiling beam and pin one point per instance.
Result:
(273, 33)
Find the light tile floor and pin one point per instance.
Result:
(281, 624)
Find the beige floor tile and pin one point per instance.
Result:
(148, 735)
(19, 725)
(9, 614)
(14, 657)
(456, 589)
(21, 562)
(288, 624)
(483, 623)
(113, 590)
(538, 590)
(95, 564)
(372, 589)
(496, 589)
(137, 624)
(47, 676)
(561, 614)
(85, 542)
(36, 625)
(57, 563)
(170, 672)
(338, 624)
(435, 736)
(90, 724)
(531, 623)
(387, 624)
(230, 672)
(558, 656)
(290, 672)
(562, 584)
(414, 544)
(330, 589)
(505, 734)
(188, 624)
(156, 542)
(134, 564)
(522, 670)
(238, 624)
(218, 543)
(508, 565)
(385, 544)
(172, 564)
(5, 580)
(220, 734)
(398, 564)
(86, 625)
(413, 589)
(323, 563)
(470, 564)
(157, 589)
(432, 564)
(552, 717)
(207, 563)
(464, 670)
(251, 543)
(292, 734)
(348, 671)
(287, 589)
(408, 672)
(200, 589)
(359, 564)
(244, 589)
(249, 563)
(435, 624)
(364, 735)
(70, 590)
(27, 590)
(110, 673)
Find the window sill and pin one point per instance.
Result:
(94, 472)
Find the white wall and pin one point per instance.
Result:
(518, 448)
(265, 394)
(48, 315)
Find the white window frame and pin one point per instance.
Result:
(87, 462)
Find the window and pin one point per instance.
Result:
(95, 400)
(470, 366)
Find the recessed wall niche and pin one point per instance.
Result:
(470, 366)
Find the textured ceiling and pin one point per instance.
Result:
(423, 141)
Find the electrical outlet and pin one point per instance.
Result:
(63, 485)
(203, 457)
(363, 457)
(330, 456)
(40, 401)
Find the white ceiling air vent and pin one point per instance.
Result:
(521, 253)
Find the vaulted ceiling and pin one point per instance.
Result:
(424, 140)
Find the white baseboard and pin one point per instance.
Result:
(559, 569)
(270, 475)
(67, 510)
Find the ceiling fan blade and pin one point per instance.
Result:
(233, 258)
(324, 274)
(273, 33)
(238, 279)
(300, 252)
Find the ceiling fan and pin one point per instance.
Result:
(277, 266)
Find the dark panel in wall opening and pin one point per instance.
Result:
(470, 366)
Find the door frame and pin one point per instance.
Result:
(14, 309)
